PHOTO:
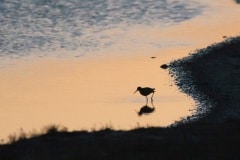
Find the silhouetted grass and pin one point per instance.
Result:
(53, 128)
(21, 135)
(17, 137)
(190, 141)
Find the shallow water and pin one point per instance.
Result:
(96, 90)
(88, 94)
(46, 26)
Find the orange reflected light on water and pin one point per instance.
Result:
(94, 92)
(87, 94)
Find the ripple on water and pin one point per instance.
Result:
(71, 25)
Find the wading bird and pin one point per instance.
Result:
(146, 91)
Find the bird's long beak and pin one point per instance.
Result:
(135, 91)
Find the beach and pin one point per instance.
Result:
(87, 90)
(68, 93)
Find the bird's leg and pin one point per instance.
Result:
(147, 100)
(152, 104)
(152, 97)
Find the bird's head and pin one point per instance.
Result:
(138, 89)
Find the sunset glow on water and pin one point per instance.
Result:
(93, 87)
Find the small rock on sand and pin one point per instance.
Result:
(164, 66)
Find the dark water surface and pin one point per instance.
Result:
(45, 26)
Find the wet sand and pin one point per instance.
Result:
(211, 76)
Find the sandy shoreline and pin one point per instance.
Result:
(211, 77)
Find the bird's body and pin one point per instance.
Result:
(146, 91)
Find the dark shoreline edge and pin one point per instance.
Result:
(212, 77)
(201, 136)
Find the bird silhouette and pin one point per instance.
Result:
(146, 91)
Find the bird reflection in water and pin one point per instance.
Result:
(146, 109)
